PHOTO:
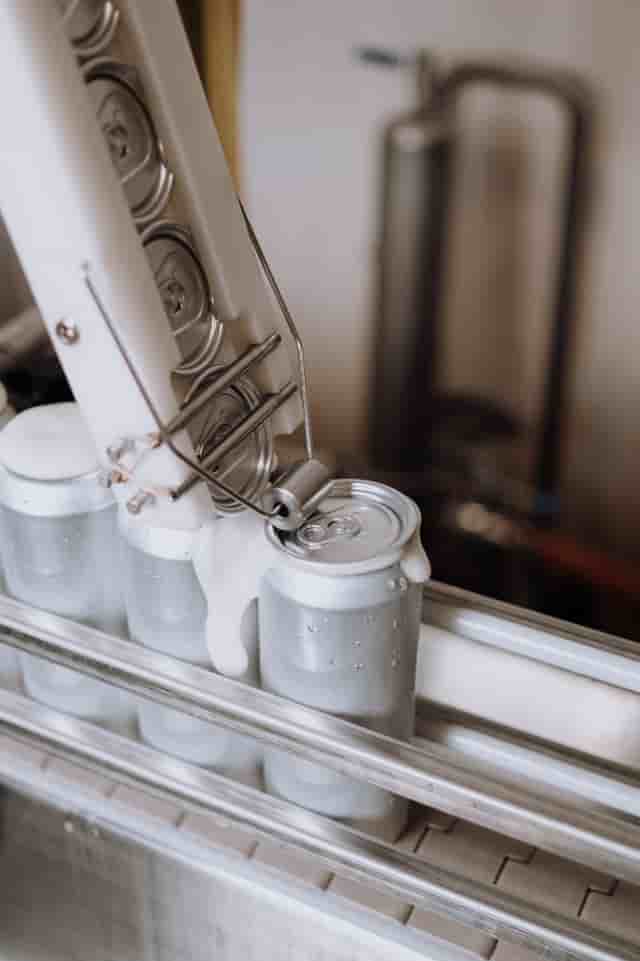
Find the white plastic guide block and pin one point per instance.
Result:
(66, 214)
(81, 251)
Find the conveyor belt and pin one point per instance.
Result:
(460, 869)
(460, 874)
(72, 849)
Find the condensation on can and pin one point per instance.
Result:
(339, 627)
(129, 132)
(90, 24)
(186, 295)
(248, 467)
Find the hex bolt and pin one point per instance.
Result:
(67, 332)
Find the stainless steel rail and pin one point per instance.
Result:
(570, 647)
(598, 836)
(354, 855)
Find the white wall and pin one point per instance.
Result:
(311, 124)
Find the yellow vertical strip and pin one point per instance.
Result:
(221, 39)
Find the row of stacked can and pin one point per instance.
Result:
(165, 604)
(125, 116)
(339, 608)
(63, 551)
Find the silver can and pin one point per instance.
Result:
(185, 293)
(167, 611)
(60, 549)
(339, 622)
(136, 151)
(90, 24)
(248, 467)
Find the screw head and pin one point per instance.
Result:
(67, 332)
(140, 500)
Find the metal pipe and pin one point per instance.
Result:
(579, 650)
(240, 432)
(572, 95)
(198, 398)
(605, 840)
(293, 330)
(352, 854)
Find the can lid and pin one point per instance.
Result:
(136, 151)
(50, 464)
(248, 466)
(360, 526)
(185, 292)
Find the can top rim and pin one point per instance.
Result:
(49, 464)
(361, 526)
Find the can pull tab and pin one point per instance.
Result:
(325, 528)
(230, 556)
(414, 562)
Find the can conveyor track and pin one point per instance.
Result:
(479, 804)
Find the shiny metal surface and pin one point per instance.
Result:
(356, 856)
(569, 647)
(356, 521)
(243, 428)
(295, 494)
(346, 646)
(185, 293)
(89, 24)
(414, 212)
(604, 838)
(201, 391)
(248, 465)
(286, 313)
(67, 332)
(130, 135)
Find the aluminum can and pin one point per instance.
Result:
(129, 132)
(90, 24)
(248, 467)
(59, 546)
(338, 623)
(167, 611)
(185, 293)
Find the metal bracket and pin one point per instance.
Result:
(293, 496)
